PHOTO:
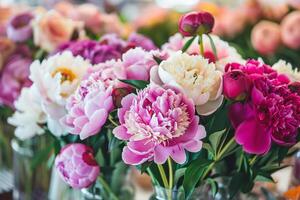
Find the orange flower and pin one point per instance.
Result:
(293, 193)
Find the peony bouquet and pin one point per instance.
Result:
(193, 115)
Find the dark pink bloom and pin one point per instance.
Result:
(77, 166)
(270, 113)
(158, 123)
(236, 85)
(138, 40)
(14, 76)
(195, 23)
(19, 28)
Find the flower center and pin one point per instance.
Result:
(66, 74)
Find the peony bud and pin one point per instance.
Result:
(290, 30)
(118, 95)
(195, 23)
(19, 28)
(235, 85)
(77, 166)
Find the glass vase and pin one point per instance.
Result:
(108, 187)
(31, 180)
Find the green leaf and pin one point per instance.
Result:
(138, 84)
(188, 44)
(213, 185)
(264, 178)
(117, 177)
(193, 174)
(41, 156)
(178, 174)
(215, 139)
(235, 184)
(212, 44)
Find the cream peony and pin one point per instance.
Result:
(29, 115)
(197, 78)
(56, 78)
(50, 29)
(225, 52)
(283, 67)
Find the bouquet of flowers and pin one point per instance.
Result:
(193, 115)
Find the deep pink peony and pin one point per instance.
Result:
(235, 85)
(158, 123)
(271, 112)
(89, 107)
(77, 166)
(195, 23)
(14, 76)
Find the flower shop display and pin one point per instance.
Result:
(192, 114)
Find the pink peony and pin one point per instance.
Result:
(89, 107)
(19, 28)
(158, 123)
(14, 76)
(290, 30)
(77, 166)
(271, 113)
(195, 23)
(137, 63)
(265, 37)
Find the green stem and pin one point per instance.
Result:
(107, 188)
(200, 42)
(223, 151)
(112, 121)
(252, 161)
(163, 176)
(170, 176)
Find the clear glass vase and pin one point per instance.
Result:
(107, 188)
(31, 180)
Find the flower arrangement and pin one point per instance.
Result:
(192, 115)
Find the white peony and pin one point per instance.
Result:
(29, 116)
(197, 78)
(56, 78)
(225, 53)
(283, 67)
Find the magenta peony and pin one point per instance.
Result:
(138, 40)
(77, 166)
(271, 113)
(19, 28)
(235, 85)
(158, 123)
(195, 23)
(94, 51)
(14, 76)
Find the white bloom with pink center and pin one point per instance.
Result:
(225, 52)
(158, 123)
(283, 67)
(56, 78)
(195, 77)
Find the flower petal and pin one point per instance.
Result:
(210, 107)
(254, 137)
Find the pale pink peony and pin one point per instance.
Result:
(158, 123)
(265, 37)
(89, 107)
(290, 30)
(138, 63)
(77, 166)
